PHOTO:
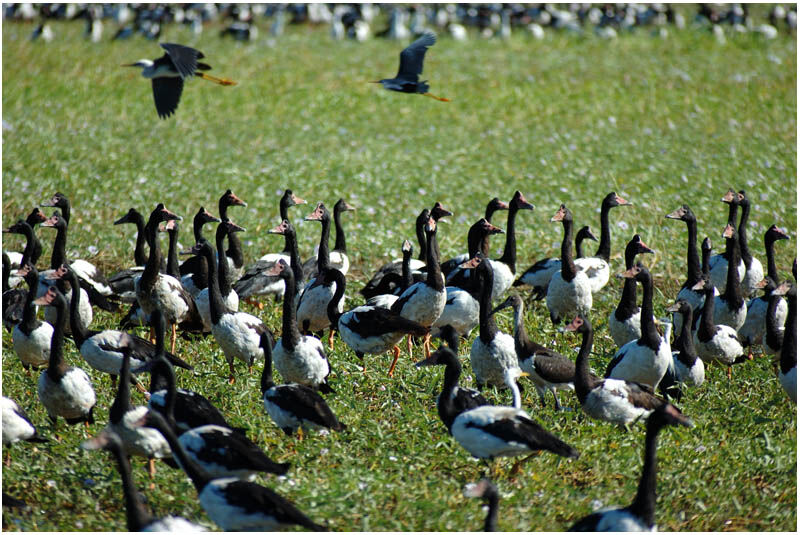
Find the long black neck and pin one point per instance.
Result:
(323, 254)
(199, 477)
(743, 248)
(150, 273)
(510, 251)
(733, 210)
(340, 244)
(444, 404)
(235, 251)
(568, 270)
(434, 277)
(488, 326)
(294, 255)
(707, 328)
(197, 227)
(490, 524)
(215, 304)
(56, 367)
(650, 336)
(30, 245)
(644, 505)
(583, 380)
(290, 335)
(222, 262)
(408, 278)
(706, 260)
(267, 381)
(684, 343)
(284, 212)
(733, 289)
(521, 340)
(476, 242)
(337, 277)
(421, 240)
(693, 271)
(772, 268)
(789, 347)
(604, 247)
(173, 268)
(136, 515)
(59, 255)
(79, 332)
(122, 403)
(579, 245)
(139, 255)
(162, 375)
(29, 321)
(627, 303)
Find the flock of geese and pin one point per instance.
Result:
(717, 318)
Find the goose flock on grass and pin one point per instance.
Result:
(712, 325)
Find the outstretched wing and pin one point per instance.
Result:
(167, 94)
(412, 57)
(184, 58)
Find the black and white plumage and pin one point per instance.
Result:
(234, 254)
(686, 367)
(229, 296)
(294, 406)
(646, 359)
(596, 267)
(477, 237)
(31, 337)
(490, 431)
(288, 199)
(613, 400)
(123, 282)
(255, 280)
(194, 270)
(548, 369)
(65, 391)
(478, 242)
(411, 59)
(639, 515)
(788, 364)
(168, 73)
(539, 274)
(338, 258)
(505, 267)
(625, 322)
(774, 331)
(136, 515)
(729, 307)
(714, 342)
(392, 285)
(485, 490)
(234, 504)
(694, 272)
(17, 424)
(13, 298)
(570, 290)
(753, 270)
(718, 264)
(33, 247)
(298, 358)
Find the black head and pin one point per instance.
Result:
(612, 199)
(637, 246)
(667, 414)
(106, 440)
(703, 284)
(684, 213)
(290, 199)
(585, 233)
(320, 213)
(20, 227)
(342, 206)
(732, 197)
(284, 228)
(518, 202)
(706, 245)
(513, 301)
(204, 216)
(774, 234)
(489, 229)
(132, 216)
(160, 213)
(681, 305)
(230, 199)
(638, 272)
(562, 214)
(35, 217)
(579, 324)
(280, 269)
(55, 221)
(407, 248)
(59, 200)
(438, 211)
(495, 205)
(439, 357)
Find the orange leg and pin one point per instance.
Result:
(410, 342)
(330, 339)
(427, 345)
(151, 469)
(231, 378)
(174, 336)
(396, 353)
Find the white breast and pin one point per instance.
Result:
(609, 402)
(173, 524)
(724, 316)
(84, 310)
(313, 307)
(789, 383)
(104, 360)
(373, 344)
(490, 361)
(566, 299)
(425, 304)
(231, 302)
(718, 271)
(33, 350)
(625, 331)
(503, 278)
(138, 440)
(72, 397)
(641, 364)
(305, 365)
(752, 277)
(461, 311)
(621, 520)
(596, 270)
(694, 376)
(90, 274)
(724, 346)
(695, 300)
(468, 430)
(236, 335)
(540, 278)
(200, 450)
(232, 517)
(15, 427)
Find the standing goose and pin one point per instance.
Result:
(569, 290)
(613, 400)
(13, 298)
(625, 323)
(596, 267)
(235, 253)
(549, 370)
(423, 302)
(788, 371)
(479, 233)
(233, 504)
(298, 358)
(338, 256)
(729, 306)
(123, 282)
(506, 266)
(238, 334)
(774, 330)
(372, 329)
(65, 391)
(646, 359)
(172, 228)
(33, 247)
(294, 406)
(718, 264)
(312, 305)
(715, 342)
(486, 490)
(136, 515)
(392, 285)
(453, 399)
(229, 297)
(753, 270)
(640, 515)
(288, 199)
(493, 352)
(255, 280)
(694, 272)
(686, 367)
(193, 270)
(17, 426)
(31, 337)
(475, 241)
(539, 274)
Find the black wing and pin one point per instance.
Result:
(524, 430)
(616, 360)
(167, 94)
(379, 321)
(236, 452)
(184, 58)
(642, 396)
(142, 349)
(412, 57)
(254, 498)
(587, 523)
(306, 404)
(553, 367)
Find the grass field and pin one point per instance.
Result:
(567, 119)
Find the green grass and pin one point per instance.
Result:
(662, 122)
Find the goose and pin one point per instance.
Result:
(506, 266)
(255, 281)
(639, 515)
(33, 247)
(92, 280)
(13, 298)
(234, 254)
(549, 370)
(463, 278)
(646, 359)
(569, 290)
(193, 270)
(31, 337)
(694, 272)
(539, 274)
(136, 515)
(122, 282)
(239, 335)
(686, 368)
(394, 284)
(312, 305)
(596, 267)
(715, 342)
(172, 227)
(294, 407)
(104, 350)
(625, 323)
(788, 372)
(338, 256)
(230, 298)
(493, 352)
(729, 307)
(369, 328)
(65, 391)
(774, 331)
(233, 504)
(753, 270)
(288, 199)
(718, 264)
(453, 399)
(474, 240)
(490, 431)
(158, 290)
(423, 302)
(752, 332)
(613, 400)
(485, 490)
(17, 426)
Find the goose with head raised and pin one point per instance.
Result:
(505, 267)
(729, 307)
(288, 199)
(234, 254)
(475, 240)
(788, 363)
(255, 280)
(31, 338)
(193, 270)
(123, 282)
(570, 290)
(753, 270)
(229, 296)
(337, 258)
(715, 342)
(718, 264)
(686, 367)
(625, 323)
